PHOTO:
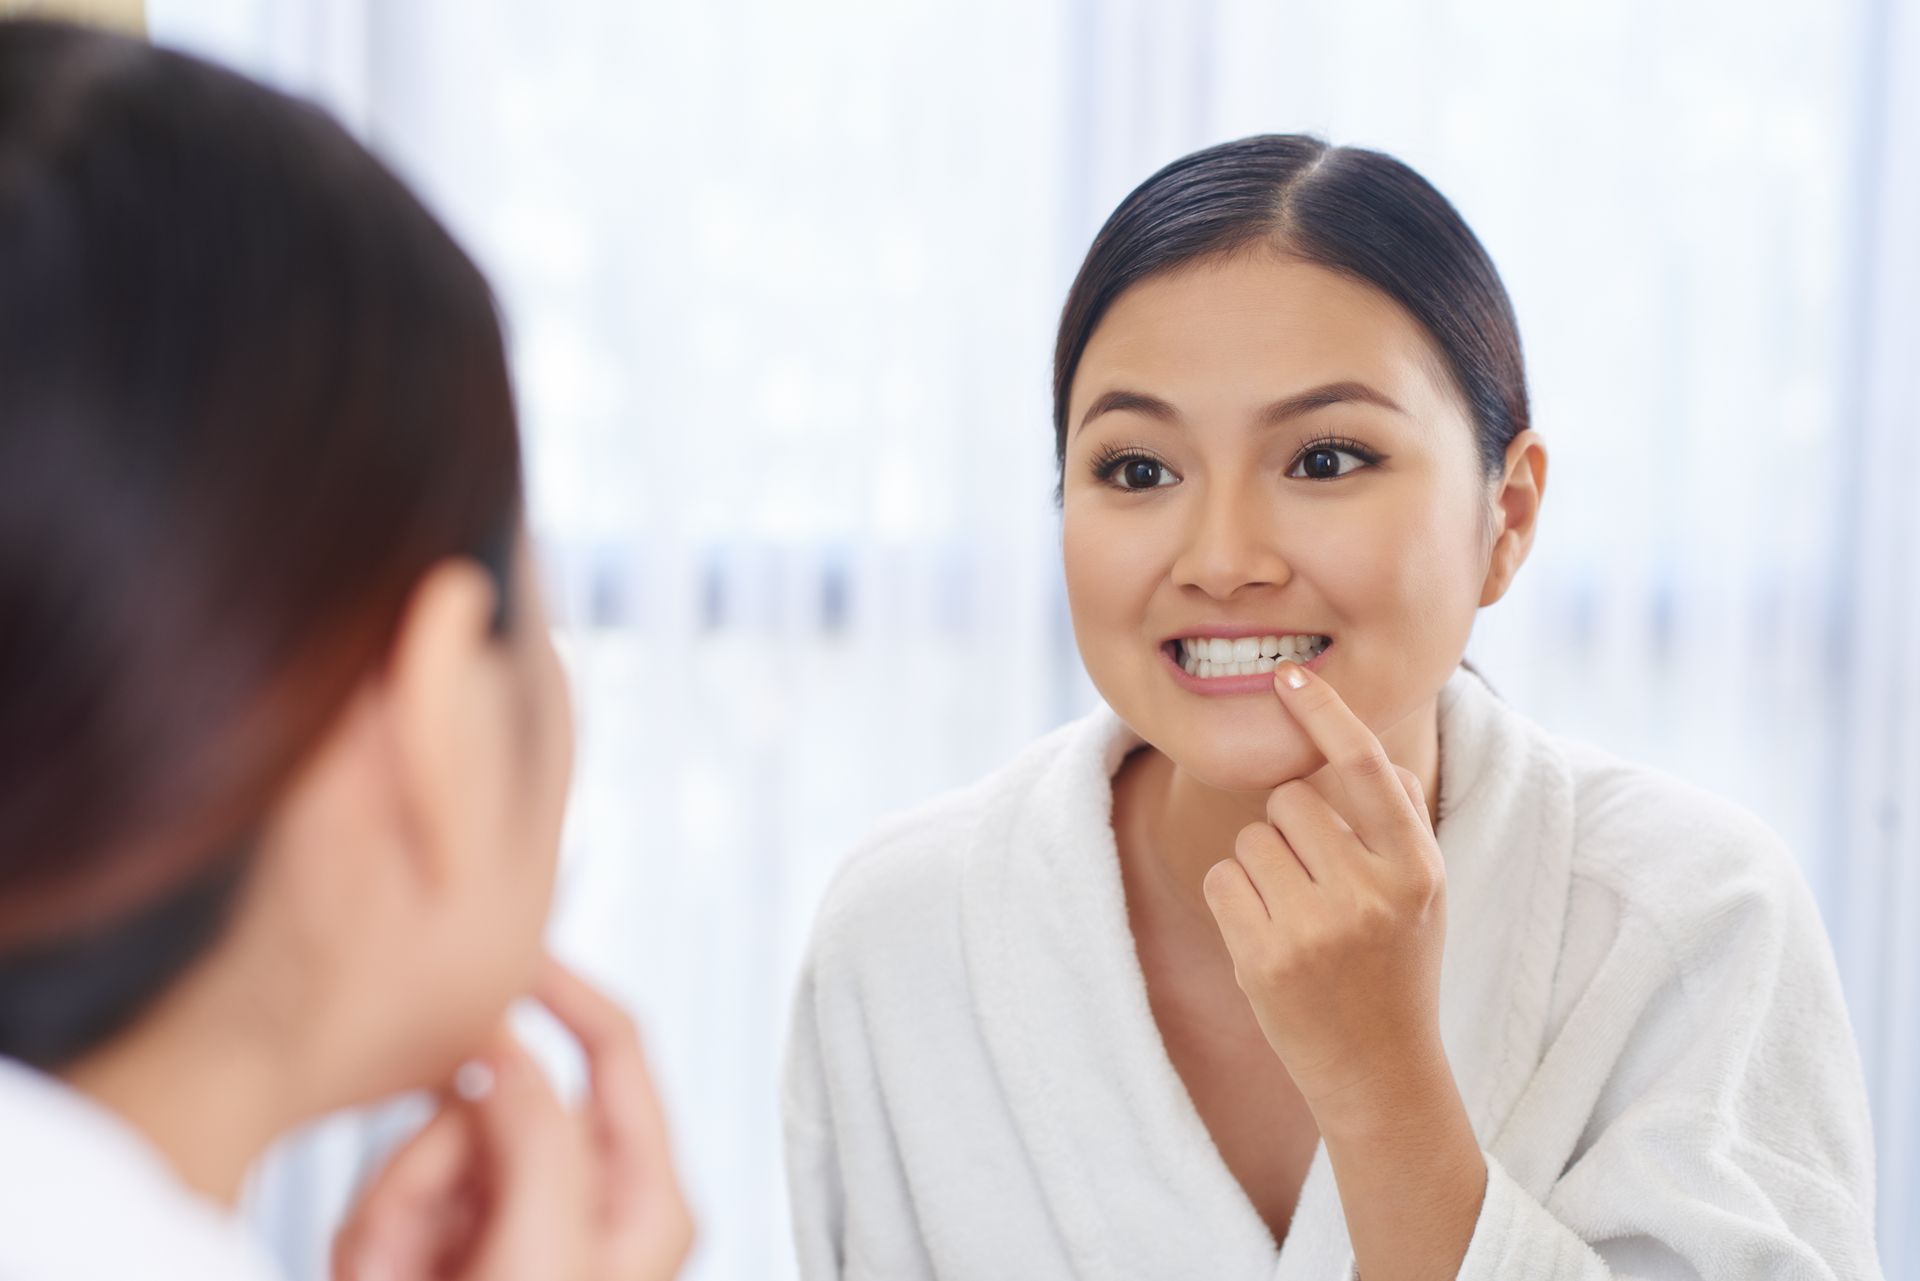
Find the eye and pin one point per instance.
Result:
(1133, 471)
(1321, 460)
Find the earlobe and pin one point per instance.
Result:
(1517, 513)
(439, 649)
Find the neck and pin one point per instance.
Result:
(1180, 827)
(208, 1096)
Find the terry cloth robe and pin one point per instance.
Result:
(85, 1197)
(1637, 999)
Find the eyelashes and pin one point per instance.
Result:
(1139, 463)
(1108, 461)
(1339, 443)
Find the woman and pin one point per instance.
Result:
(1311, 954)
(283, 741)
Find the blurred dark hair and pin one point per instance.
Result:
(1357, 212)
(250, 393)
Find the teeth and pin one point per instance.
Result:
(1210, 656)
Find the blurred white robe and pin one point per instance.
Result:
(84, 1197)
(1638, 1001)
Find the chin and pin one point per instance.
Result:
(1242, 753)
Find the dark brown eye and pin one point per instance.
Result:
(1142, 473)
(1323, 462)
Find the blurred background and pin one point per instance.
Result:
(781, 280)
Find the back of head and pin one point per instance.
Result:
(250, 390)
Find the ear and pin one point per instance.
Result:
(436, 691)
(1516, 512)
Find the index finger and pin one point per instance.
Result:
(1376, 804)
(623, 1105)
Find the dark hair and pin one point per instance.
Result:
(1353, 211)
(250, 392)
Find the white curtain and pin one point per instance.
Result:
(1874, 868)
(781, 282)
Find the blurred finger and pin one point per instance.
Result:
(416, 1205)
(624, 1105)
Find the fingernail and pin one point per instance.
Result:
(473, 1081)
(1294, 675)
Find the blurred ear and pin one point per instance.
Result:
(440, 689)
(1516, 513)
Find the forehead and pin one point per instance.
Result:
(1230, 333)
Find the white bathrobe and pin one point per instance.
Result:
(1638, 1001)
(83, 1197)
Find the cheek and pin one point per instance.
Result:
(1113, 567)
(1405, 573)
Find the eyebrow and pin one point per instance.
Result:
(1339, 393)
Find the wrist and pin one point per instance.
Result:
(1414, 1095)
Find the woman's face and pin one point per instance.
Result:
(1262, 448)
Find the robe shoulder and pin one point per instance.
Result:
(900, 885)
(1693, 864)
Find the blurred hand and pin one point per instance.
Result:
(513, 1186)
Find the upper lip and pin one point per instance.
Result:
(1235, 631)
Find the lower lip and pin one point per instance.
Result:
(1229, 686)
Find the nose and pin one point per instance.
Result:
(1230, 545)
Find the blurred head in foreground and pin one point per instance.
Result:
(283, 740)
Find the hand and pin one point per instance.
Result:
(513, 1185)
(1334, 911)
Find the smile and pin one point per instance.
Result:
(1218, 657)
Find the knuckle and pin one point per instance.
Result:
(622, 1027)
(1284, 799)
(1219, 880)
(1255, 840)
(1274, 966)
(1372, 912)
(1428, 883)
(1369, 762)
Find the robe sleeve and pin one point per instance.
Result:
(1710, 1092)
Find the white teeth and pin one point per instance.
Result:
(1210, 656)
